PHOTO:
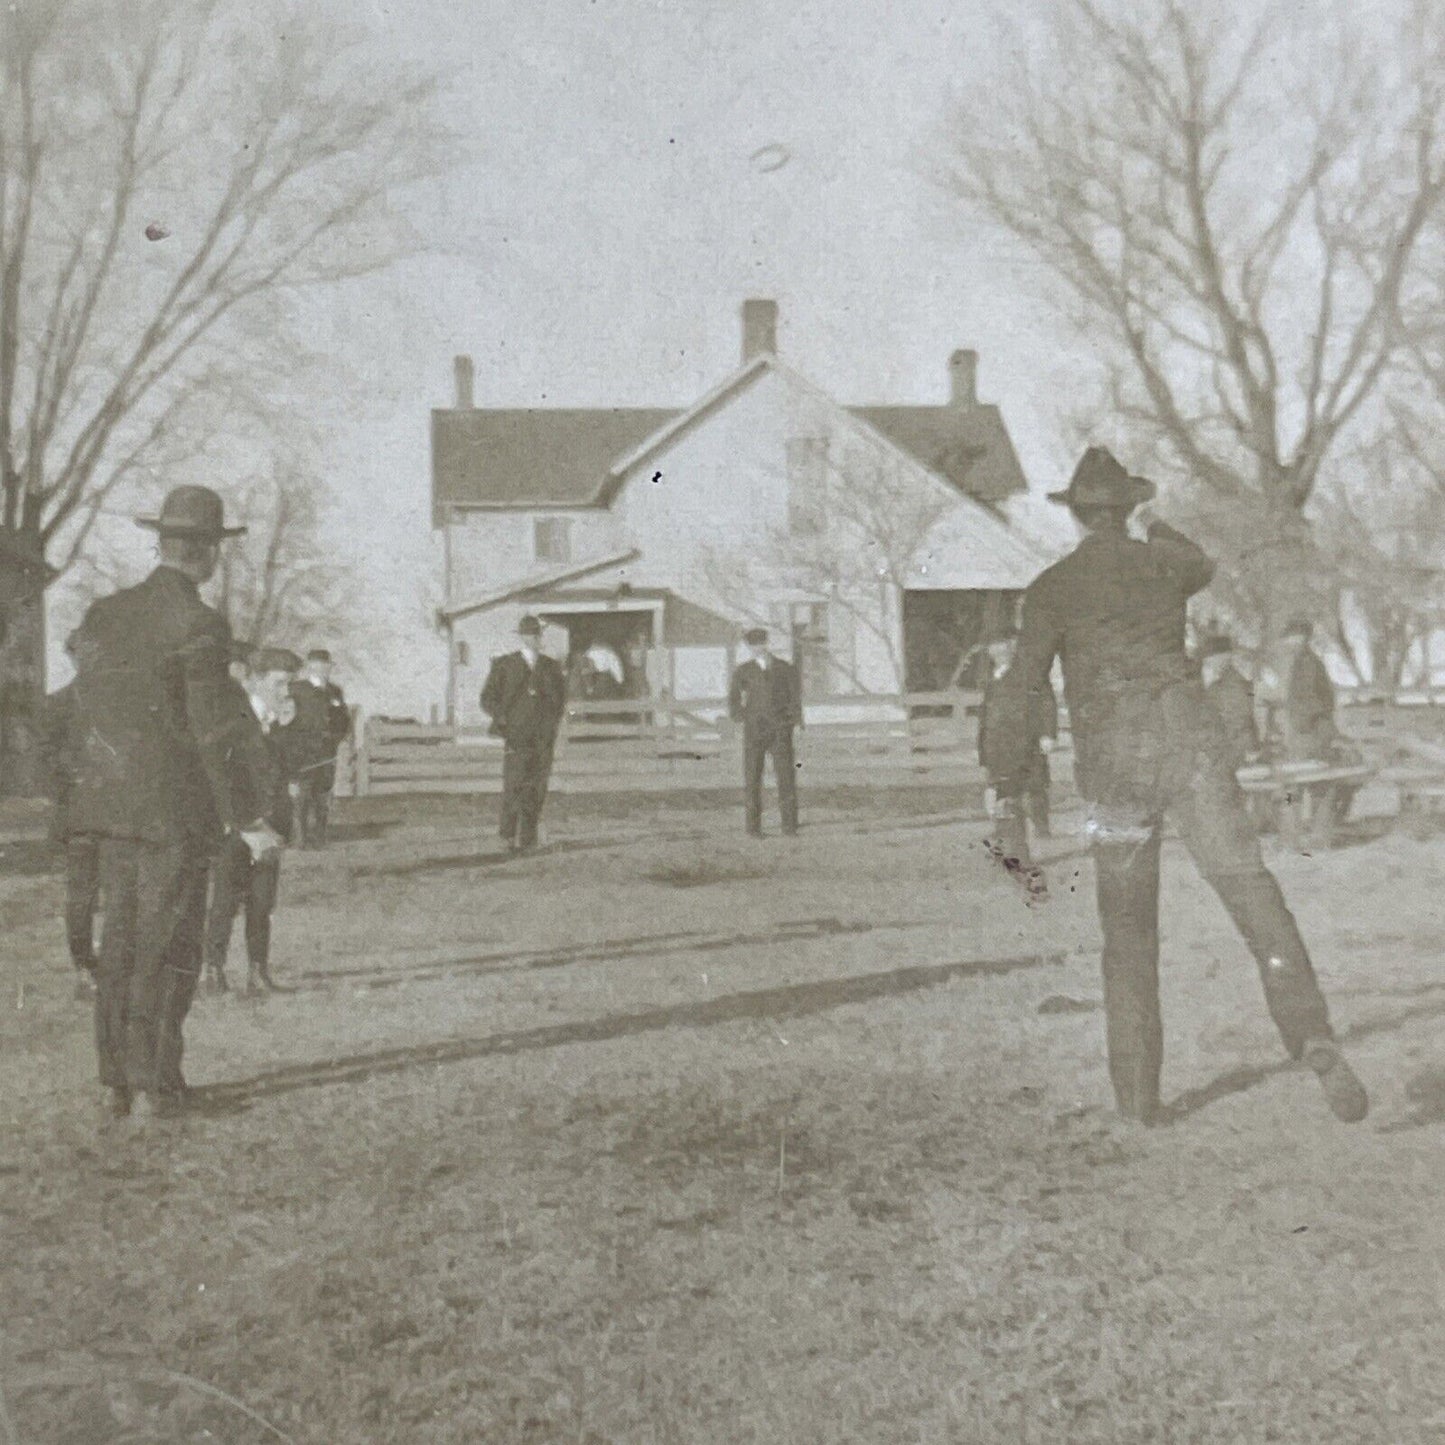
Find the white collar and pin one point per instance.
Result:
(264, 715)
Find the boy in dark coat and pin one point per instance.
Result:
(525, 695)
(1032, 800)
(321, 724)
(240, 879)
(60, 753)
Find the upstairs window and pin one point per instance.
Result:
(807, 485)
(552, 539)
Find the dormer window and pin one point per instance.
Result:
(552, 539)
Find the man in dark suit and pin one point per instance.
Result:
(163, 774)
(322, 723)
(765, 698)
(240, 880)
(525, 695)
(1031, 803)
(1232, 698)
(1147, 743)
(59, 747)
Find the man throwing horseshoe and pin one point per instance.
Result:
(1147, 743)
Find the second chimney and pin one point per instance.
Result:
(963, 369)
(464, 372)
(760, 329)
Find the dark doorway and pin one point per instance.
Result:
(944, 632)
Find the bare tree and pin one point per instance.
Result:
(1233, 215)
(853, 538)
(170, 170)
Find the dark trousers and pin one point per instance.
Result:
(758, 745)
(1216, 829)
(241, 882)
(82, 898)
(526, 768)
(313, 808)
(154, 900)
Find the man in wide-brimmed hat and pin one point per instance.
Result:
(164, 773)
(525, 695)
(1146, 742)
(321, 724)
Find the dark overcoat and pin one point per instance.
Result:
(162, 729)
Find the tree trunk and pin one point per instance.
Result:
(23, 575)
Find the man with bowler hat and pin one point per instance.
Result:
(525, 695)
(1146, 743)
(162, 776)
(322, 723)
(765, 698)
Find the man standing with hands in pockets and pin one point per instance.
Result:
(765, 698)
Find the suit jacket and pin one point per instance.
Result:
(1113, 611)
(263, 787)
(765, 699)
(525, 703)
(163, 734)
(59, 753)
(1309, 709)
(322, 723)
(1233, 701)
(1043, 715)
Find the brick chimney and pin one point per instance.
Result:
(760, 329)
(963, 371)
(462, 366)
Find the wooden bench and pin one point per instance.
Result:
(1296, 791)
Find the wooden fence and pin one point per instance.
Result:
(660, 744)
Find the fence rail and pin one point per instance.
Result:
(660, 743)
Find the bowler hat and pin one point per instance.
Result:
(529, 626)
(191, 512)
(1101, 481)
(755, 636)
(275, 659)
(318, 654)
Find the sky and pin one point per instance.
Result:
(596, 245)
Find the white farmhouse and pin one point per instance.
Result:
(870, 539)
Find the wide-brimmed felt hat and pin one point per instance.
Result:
(191, 512)
(755, 636)
(1101, 481)
(275, 659)
(318, 654)
(530, 626)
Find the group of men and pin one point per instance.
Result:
(175, 775)
(177, 762)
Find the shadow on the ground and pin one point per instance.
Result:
(29, 858)
(1238, 1080)
(786, 1001)
(644, 946)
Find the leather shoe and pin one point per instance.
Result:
(1344, 1092)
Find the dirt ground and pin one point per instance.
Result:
(664, 1135)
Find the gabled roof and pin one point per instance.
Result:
(543, 457)
(966, 445)
(536, 582)
(560, 458)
